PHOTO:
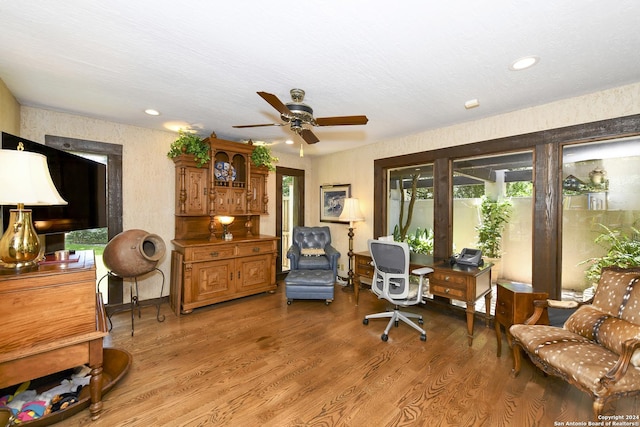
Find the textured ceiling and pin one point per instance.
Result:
(409, 66)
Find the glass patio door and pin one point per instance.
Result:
(289, 210)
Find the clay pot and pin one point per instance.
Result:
(133, 253)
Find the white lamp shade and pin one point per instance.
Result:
(225, 220)
(25, 178)
(351, 211)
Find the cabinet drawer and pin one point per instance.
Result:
(504, 306)
(447, 290)
(365, 271)
(208, 253)
(256, 248)
(504, 314)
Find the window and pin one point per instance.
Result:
(410, 207)
(493, 210)
(600, 211)
(546, 260)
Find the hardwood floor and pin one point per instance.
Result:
(260, 362)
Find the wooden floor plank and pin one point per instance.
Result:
(260, 362)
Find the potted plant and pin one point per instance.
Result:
(623, 250)
(190, 143)
(494, 215)
(420, 244)
(261, 156)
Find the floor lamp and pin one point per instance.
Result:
(350, 213)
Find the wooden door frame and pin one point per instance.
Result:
(280, 172)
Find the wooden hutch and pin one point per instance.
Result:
(206, 268)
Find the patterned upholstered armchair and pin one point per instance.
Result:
(598, 348)
(311, 250)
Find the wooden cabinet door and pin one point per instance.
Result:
(212, 281)
(257, 196)
(230, 201)
(196, 185)
(237, 201)
(254, 273)
(191, 187)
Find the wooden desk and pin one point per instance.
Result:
(514, 304)
(457, 282)
(52, 320)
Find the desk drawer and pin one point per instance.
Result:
(256, 248)
(209, 253)
(448, 277)
(447, 289)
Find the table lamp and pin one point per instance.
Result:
(24, 180)
(226, 221)
(350, 213)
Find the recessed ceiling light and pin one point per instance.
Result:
(524, 63)
(289, 142)
(152, 112)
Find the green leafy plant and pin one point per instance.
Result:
(190, 143)
(421, 242)
(261, 156)
(494, 215)
(623, 250)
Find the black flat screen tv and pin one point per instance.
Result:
(81, 182)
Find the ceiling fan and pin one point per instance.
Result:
(298, 114)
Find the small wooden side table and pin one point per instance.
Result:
(514, 304)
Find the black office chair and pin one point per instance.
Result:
(391, 282)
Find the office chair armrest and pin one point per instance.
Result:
(422, 271)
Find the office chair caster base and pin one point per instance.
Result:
(365, 322)
(384, 337)
(423, 337)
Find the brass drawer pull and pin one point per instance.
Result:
(446, 291)
(446, 278)
(256, 249)
(214, 254)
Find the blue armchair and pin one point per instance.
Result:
(311, 250)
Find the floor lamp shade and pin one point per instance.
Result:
(351, 211)
(24, 180)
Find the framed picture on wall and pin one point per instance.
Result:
(332, 201)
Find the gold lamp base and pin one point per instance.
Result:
(20, 246)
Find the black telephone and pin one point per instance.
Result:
(469, 257)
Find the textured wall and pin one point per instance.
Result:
(147, 174)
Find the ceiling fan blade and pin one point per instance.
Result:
(275, 103)
(308, 136)
(255, 126)
(342, 121)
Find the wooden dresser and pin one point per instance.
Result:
(514, 304)
(52, 320)
(210, 272)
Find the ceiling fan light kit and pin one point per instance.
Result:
(297, 115)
